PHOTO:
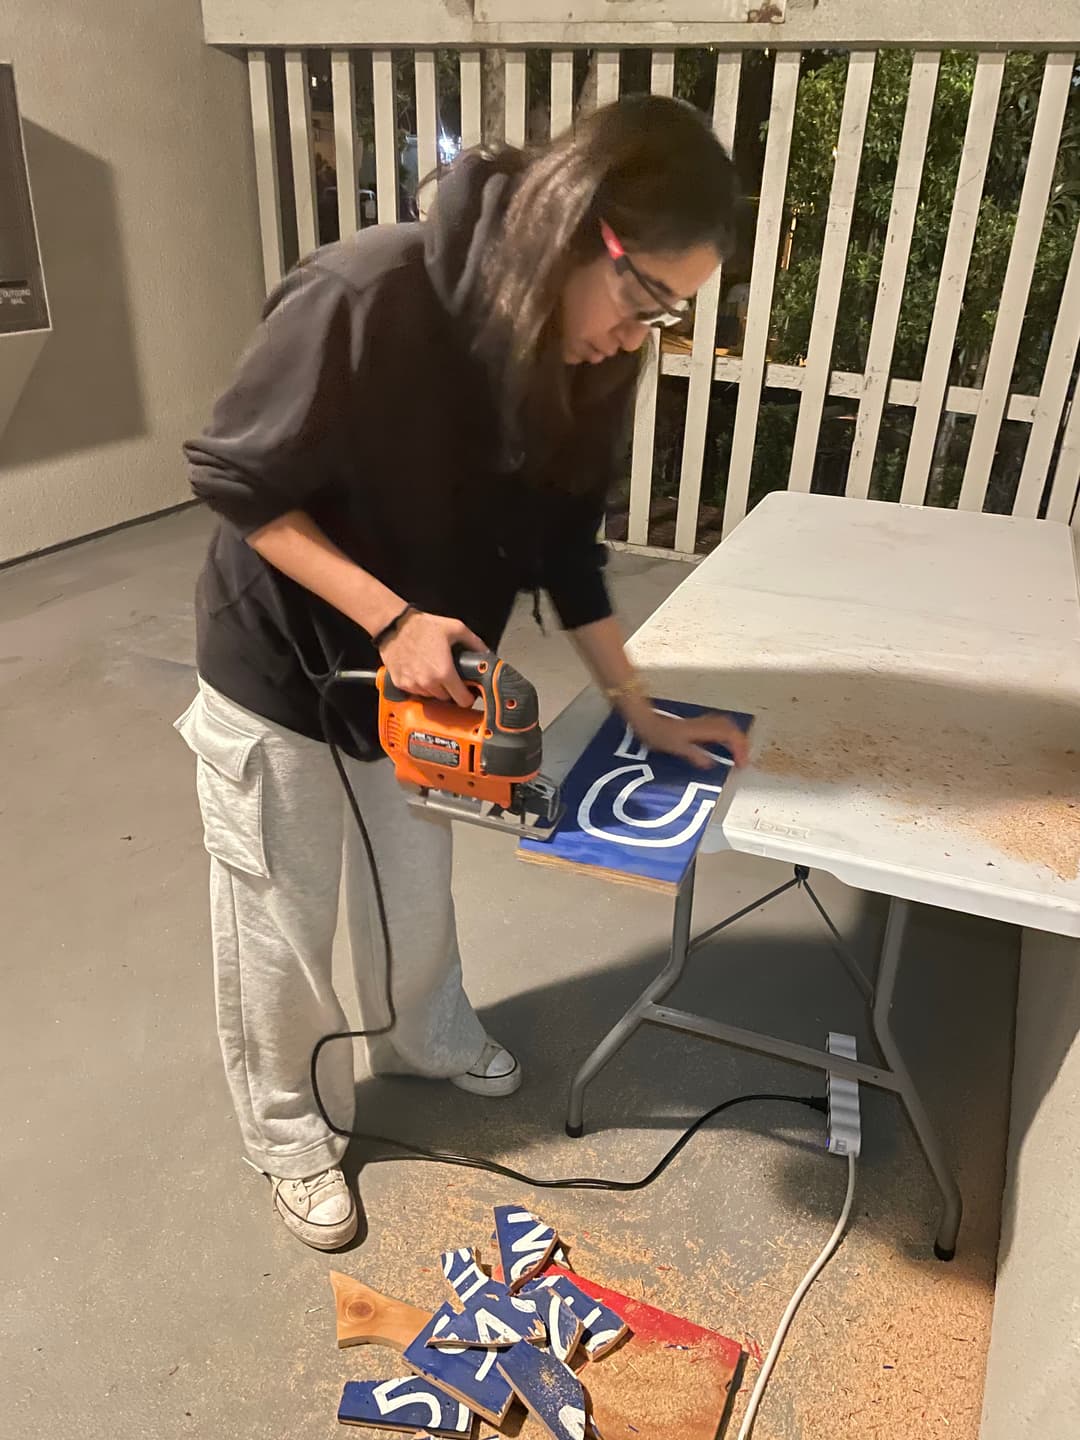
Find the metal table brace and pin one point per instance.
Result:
(893, 1075)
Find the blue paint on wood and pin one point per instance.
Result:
(564, 1329)
(494, 1318)
(408, 1404)
(525, 1243)
(469, 1375)
(547, 1388)
(635, 811)
(602, 1327)
(463, 1274)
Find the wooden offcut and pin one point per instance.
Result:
(467, 1375)
(602, 1329)
(548, 1389)
(402, 1404)
(494, 1320)
(364, 1317)
(525, 1243)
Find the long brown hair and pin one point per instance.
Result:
(654, 170)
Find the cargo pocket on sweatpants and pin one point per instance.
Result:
(229, 777)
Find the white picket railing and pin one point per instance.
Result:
(1053, 449)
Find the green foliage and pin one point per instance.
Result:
(817, 123)
(816, 128)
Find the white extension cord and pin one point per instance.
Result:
(793, 1304)
(845, 1138)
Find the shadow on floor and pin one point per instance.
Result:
(663, 1082)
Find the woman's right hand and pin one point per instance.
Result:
(420, 659)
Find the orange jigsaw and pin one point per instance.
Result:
(480, 764)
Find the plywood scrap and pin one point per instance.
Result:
(364, 1317)
(602, 1327)
(525, 1244)
(564, 1329)
(403, 1404)
(670, 1377)
(463, 1273)
(494, 1319)
(465, 1374)
(548, 1389)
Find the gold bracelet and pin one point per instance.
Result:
(632, 686)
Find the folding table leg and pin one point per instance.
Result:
(618, 1035)
(925, 1131)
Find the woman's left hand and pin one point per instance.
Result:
(687, 737)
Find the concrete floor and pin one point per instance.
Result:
(145, 1288)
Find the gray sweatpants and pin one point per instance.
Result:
(281, 838)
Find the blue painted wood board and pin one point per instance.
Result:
(547, 1388)
(467, 1375)
(558, 1255)
(632, 813)
(407, 1404)
(463, 1274)
(602, 1328)
(525, 1244)
(563, 1328)
(494, 1318)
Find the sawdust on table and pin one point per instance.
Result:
(1029, 810)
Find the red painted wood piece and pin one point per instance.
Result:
(669, 1377)
(649, 1324)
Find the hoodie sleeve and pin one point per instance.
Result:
(574, 560)
(279, 432)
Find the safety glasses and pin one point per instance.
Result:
(668, 312)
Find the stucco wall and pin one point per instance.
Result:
(138, 140)
(1031, 1383)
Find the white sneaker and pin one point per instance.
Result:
(320, 1210)
(495, 1074)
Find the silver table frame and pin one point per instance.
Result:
(892, 1074)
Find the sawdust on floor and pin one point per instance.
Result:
(1029, 811)
(651, 1387)
(884, 1348)
(912, 1362)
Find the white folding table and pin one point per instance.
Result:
(915, 678)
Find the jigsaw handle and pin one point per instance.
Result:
(510, 701)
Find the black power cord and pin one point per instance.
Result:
(449, 1157)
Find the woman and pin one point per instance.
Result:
(425, 424)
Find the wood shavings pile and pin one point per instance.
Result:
(907, 1358)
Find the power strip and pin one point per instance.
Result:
(845, 1124)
